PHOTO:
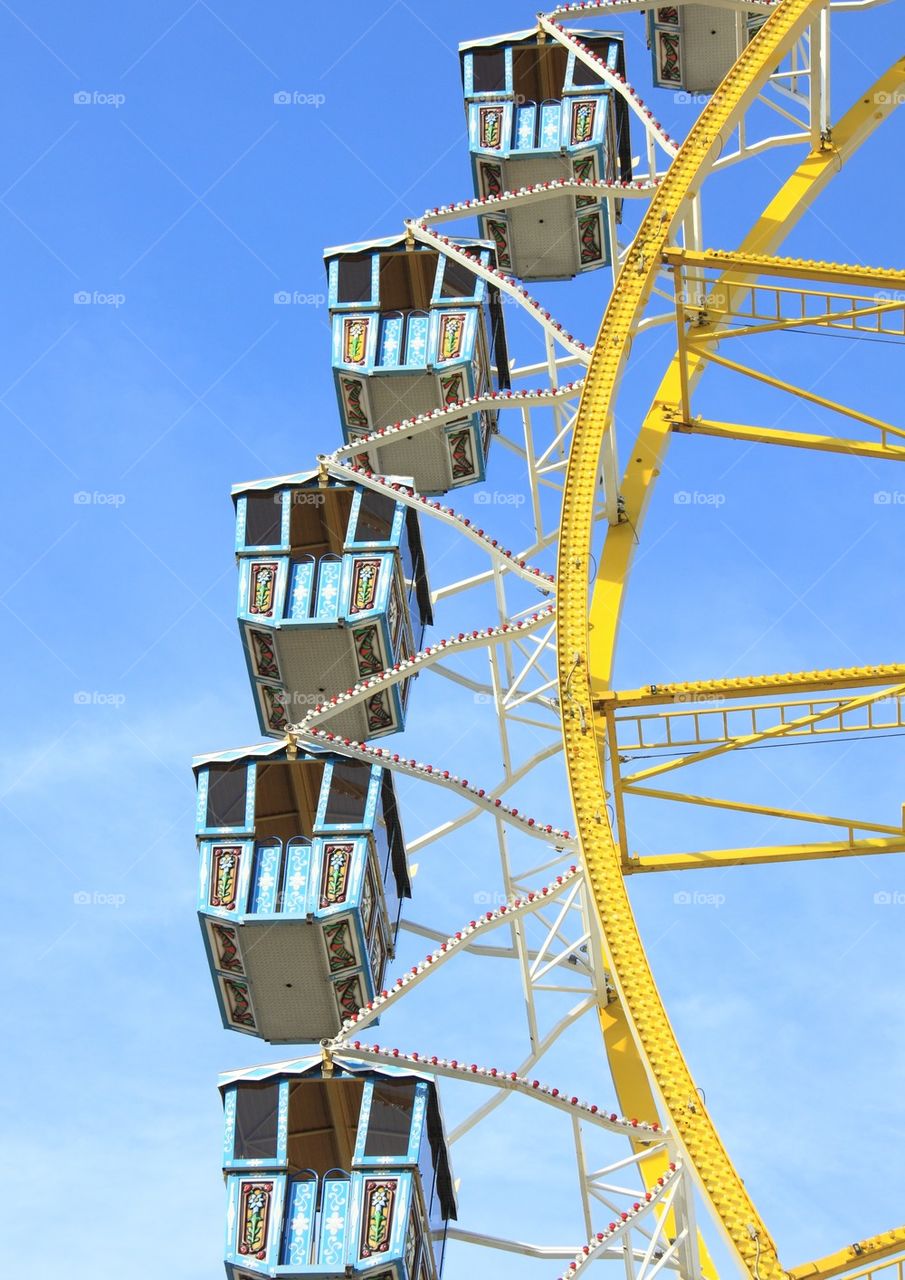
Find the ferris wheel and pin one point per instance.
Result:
(361, 586)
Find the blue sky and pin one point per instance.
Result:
(179, 199)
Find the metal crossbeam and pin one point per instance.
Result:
(752, 857)
(791, 682)
(878, 449)
(801, 393)
(859, 309)
(763, 264)
(707, 722)
(813, 717)
(774, 731)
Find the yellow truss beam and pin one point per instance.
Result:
(800, 392)
(764, 264)
(836, 1264)
(627, 784)
(754, 686)
(764, 856)
(793, 439)
(830, 318)
(612, 742)
(583, 641)
(765, 811)
(774, 731)
(636, 1098)
(697, 726)
(746, 1233)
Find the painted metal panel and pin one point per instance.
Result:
(301, 1210)
(266, 878)
(334, 1225)
(416, 340)
(525, 126)
(389, 348)
(301, 588)
(550, 124)
(328, 601)
(296, 891)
